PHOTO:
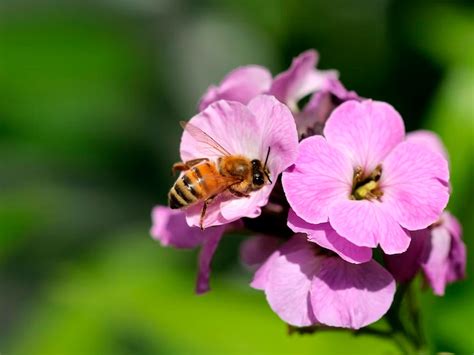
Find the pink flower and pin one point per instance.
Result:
(365, 180)
(241, 85)
(248, 130)
(312, 118)
(305, 285)
(439, 251)
(170, 229)
(289, 87)
(301, 79)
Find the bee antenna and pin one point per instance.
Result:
(266, 159)
(265, 166)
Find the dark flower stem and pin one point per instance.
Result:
(411, 329)
(415, 316)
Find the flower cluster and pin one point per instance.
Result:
(345, 179)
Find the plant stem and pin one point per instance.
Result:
(414, 312)
(413, 335)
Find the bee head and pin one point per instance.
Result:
(259, 174)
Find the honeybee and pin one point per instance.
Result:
(204, 180)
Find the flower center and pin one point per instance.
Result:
(366, 187)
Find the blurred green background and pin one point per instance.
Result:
(90, 98)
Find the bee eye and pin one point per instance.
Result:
(258, 179)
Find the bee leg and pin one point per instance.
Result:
(203, 211)
(179, 167)
(238, 193)
(191, 163)
(187, 165)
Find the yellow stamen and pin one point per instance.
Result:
(366, 191)
(366, 188)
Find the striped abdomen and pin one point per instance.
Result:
(196, 184)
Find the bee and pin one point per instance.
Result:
(202, 180)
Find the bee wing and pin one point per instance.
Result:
(224, 182)
(201, 136)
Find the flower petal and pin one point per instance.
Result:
(321, 176)
(336, 88)
(325, 236)
(457, 261)
(206, 254)
(312, 119)
(365, 223)
(241, 84)
(366, 131)
(300, 79)
(351, 296)
(260, 278)
(436, 267)
(256, 250)
(213, 215)
(170, 228)
(234, 208)
(277, 131)
(446, 259)
(415, 185)
(457, 254)
(404, 266)
(229, 123)
(289, 281)
(428, 139)
(452, 225)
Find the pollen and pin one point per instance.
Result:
(366, 187)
